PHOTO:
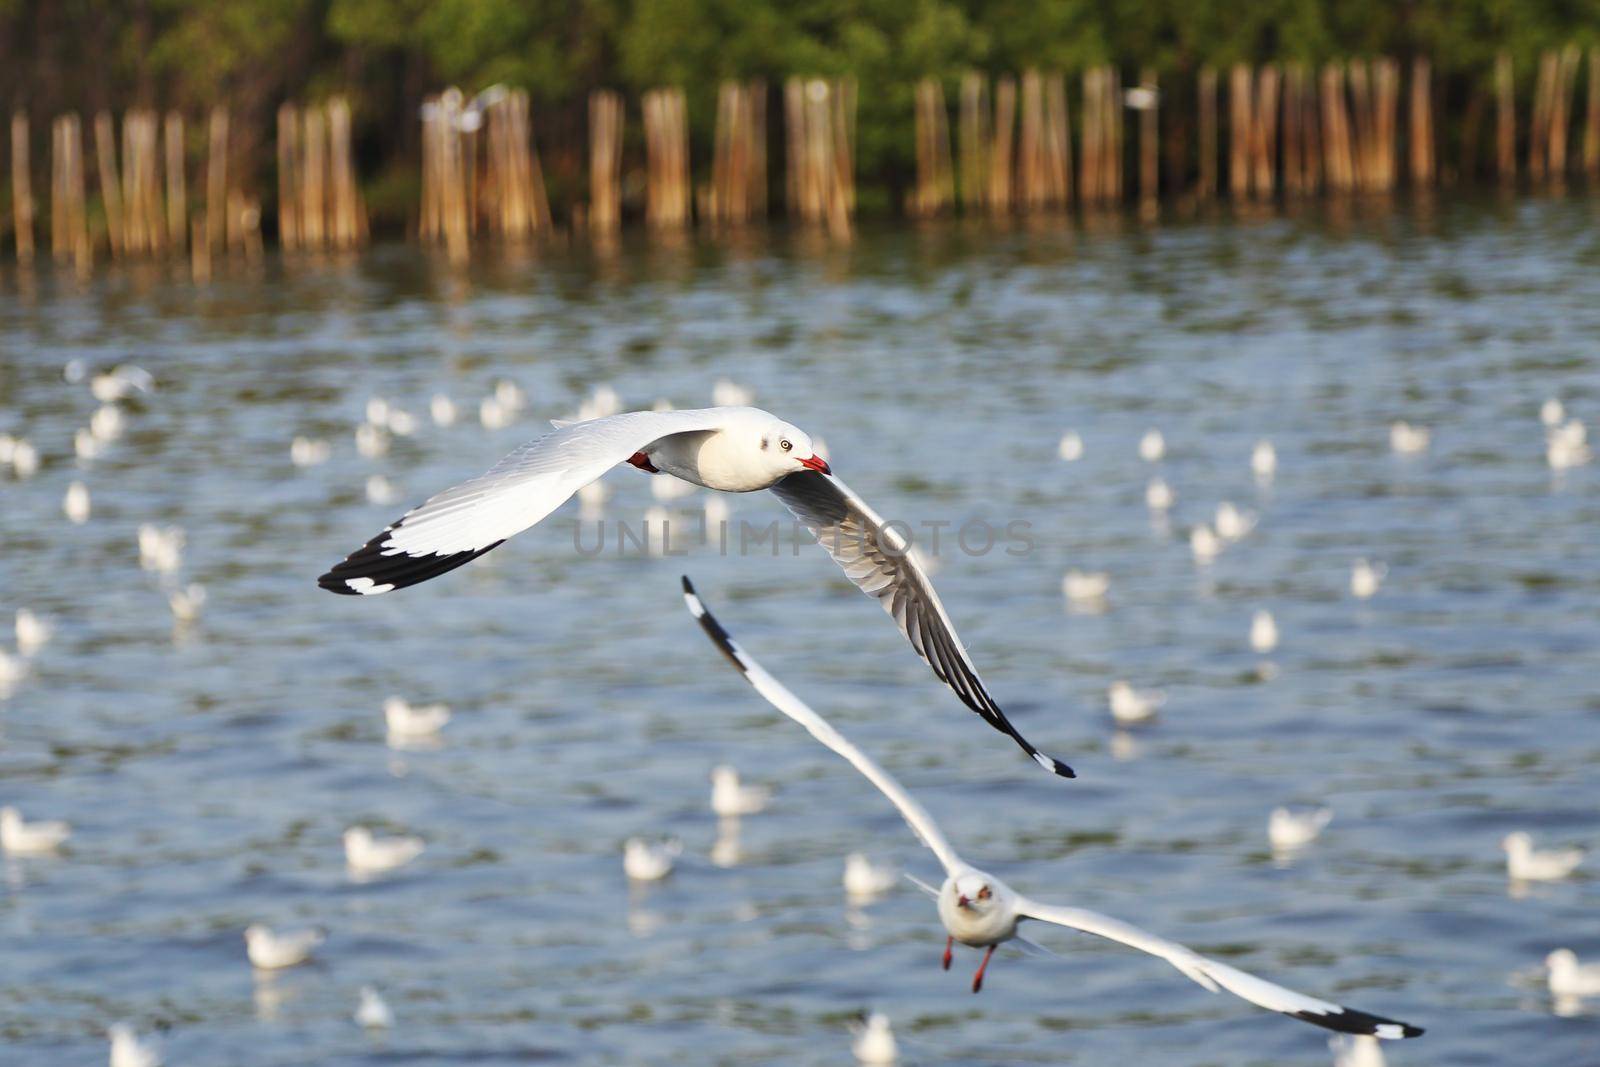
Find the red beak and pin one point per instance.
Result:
(817, 463)
(962, 902)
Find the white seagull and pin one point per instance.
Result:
(272, 951)
(874, 1044)
(734, 449)
(33, 632)
(1152, 446)
(128, 1049)
(1263, 632)
(1070, 447)
(407, 720)
(1084, 587)
(864, 880)
(1129, 705)
(731, 798)
(1569, 978)
(1527, 864)
(1264, 460)
(22, 838)
(979, 910)
(366, 853)
(1365, 578)
(373, 1013)
(1408, 439)
(1355, 1050)
(1292, 829)
(646, 861)
(1158, 495)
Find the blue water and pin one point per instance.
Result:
(209, 769)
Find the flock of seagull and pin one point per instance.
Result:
(734, 447)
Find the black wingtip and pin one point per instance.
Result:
(370, 570)
(688, 586)
(1352, 1021)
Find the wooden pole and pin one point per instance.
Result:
(1421, 139)
(1539, 124)
(1293, 136)
(313, 210)
(177, 186)
(288, 177)
(605, 161)
(1565, 80)
(105, 153)
(1506, 119)
(1591, 119)
(1058, 140)
(974, 141)
(1001, 153)
(1149, 143)
(1207, 187)
(1264, 131)
(216, 214)
(21, 187)
(1241, 126)
(1091, 169)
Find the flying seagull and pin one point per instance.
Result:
(734, 449)
(980, 910)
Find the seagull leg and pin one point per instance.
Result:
(949, 942)
(642, 461)
(977, 979)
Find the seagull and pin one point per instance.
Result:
(1264, 460)
(271, 951)
(1569, 978)
(1204, 543)
(1365, 578)
(734, 449)
(33, 632)
(120, 381)
(1070, 449)
(1085, 586)
(979, 910)
(12, 670)
(373, 1012)
(1355, 1050)
(493, 414)
(406, 721)
(309, 451)
(128, 1049)
(731, 799)
(1232, 523)
(1140, 98)
(864, 880)
(22, 838)
(24, 459)
(442, 410)
(380, 490)
(1552, 413)
(730, 394)
(646, 861)
(1152, 446)
(367, 853)
(1408, 439)
(874, 1044)
(1263, 632)
(106, 423)
(1130, 705)
(1158, 495)
(401, 423)
(371, 441)
(1291, 829)
(160, 548)
(84, 444)
(1526, 864)
(1567, 446)
(186, 603)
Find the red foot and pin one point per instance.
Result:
(948, 956)
(977, 979)
(642, 461)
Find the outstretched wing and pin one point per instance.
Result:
(1217, 976)
(467, 520)
(778, 696)
(882, 564)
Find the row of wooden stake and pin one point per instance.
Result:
(143, 192)
(1290, 129)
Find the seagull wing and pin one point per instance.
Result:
(882, 564)
(780, 697)
(1216, 976)
(463, 522)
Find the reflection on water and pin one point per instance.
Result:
(210, 766)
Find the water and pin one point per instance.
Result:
(210, 769)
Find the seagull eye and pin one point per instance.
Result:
(785, 445)
(984, 894)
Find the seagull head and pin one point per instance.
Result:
(783, 448)
(973, 892)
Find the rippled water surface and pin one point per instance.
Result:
(210, 769)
